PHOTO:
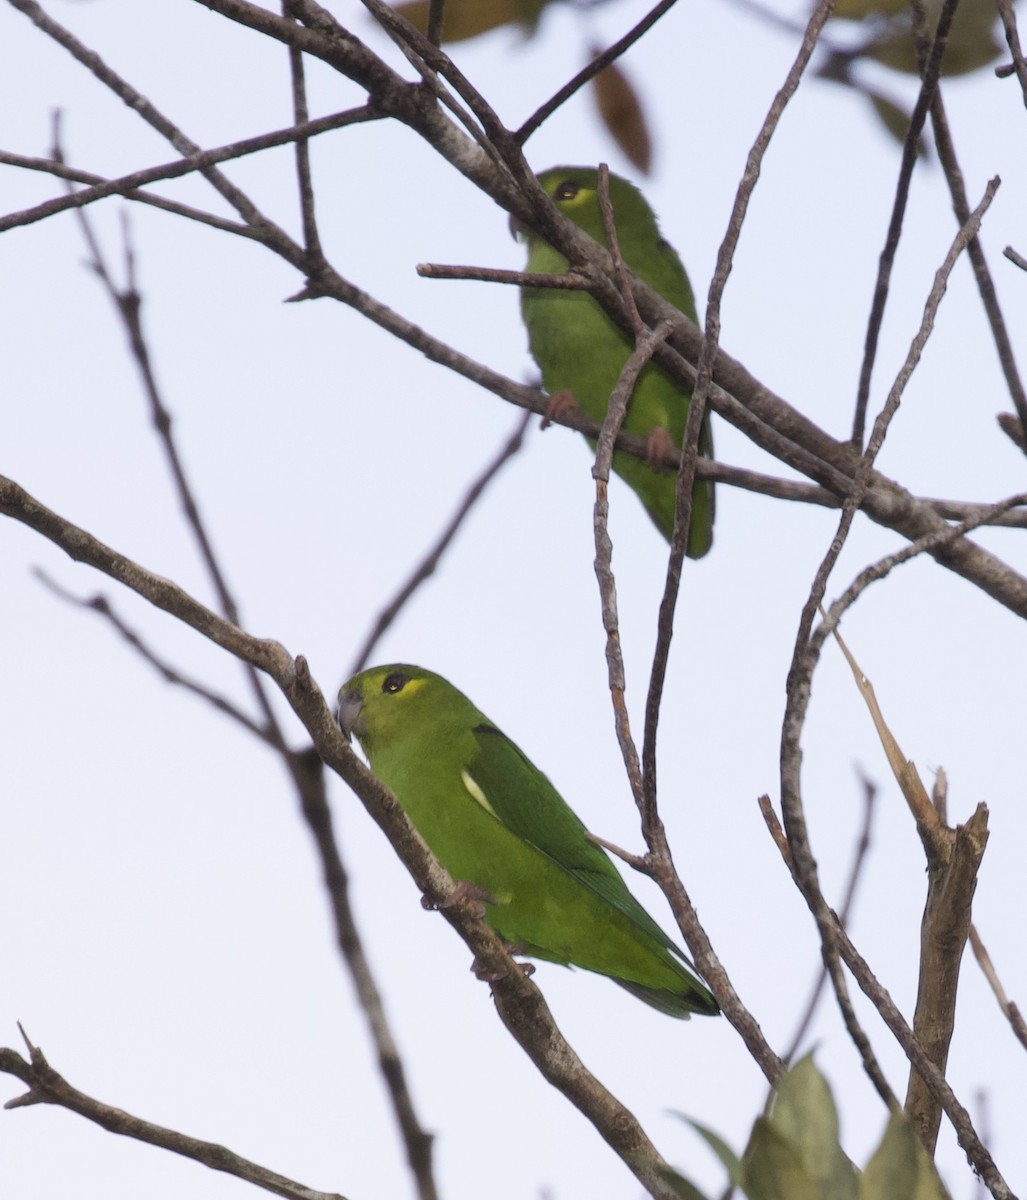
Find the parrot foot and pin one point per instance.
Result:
(560, 404)
(482, 972)
(658, 443)
(464, 893)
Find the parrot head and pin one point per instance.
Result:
(380, 704)
(575, 192)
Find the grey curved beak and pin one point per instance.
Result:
(348, 713)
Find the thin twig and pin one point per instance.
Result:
(775, 830)
(518, 1001)
(306, 771)
(659, 862)
(301, 115)
(931, 541)
(804, 660)
(655, 833)
(140, 104)
(128, 304)
(887, 259)
(430, 60)
(568, 281)
(638, 862)
(1011, 1011)
(985, 285)
(1005, 9)
(859, 856)
(701, 392)
(615, 413)
(59, 171)
(309, 775)
(591, 70)
(170, 674)
(427, 566)
(436, 21)
(128, 186)
(46, 1086)
(761, 415)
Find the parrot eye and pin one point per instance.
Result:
(394, 683)
(566, 190)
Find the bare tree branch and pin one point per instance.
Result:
(765, 418)
(928, 87)
(305, 769)
(591, 70)
(859, 857)
(700, 394)
(953, 860)
(301, 115)
(99, 604)
(128, 186)
(519, 1002)
(985, 285)
(1012, 1012)
(1005, 9)
(833, 938)
(46, 1086)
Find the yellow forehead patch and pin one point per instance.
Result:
(408, 689)
(583, 196)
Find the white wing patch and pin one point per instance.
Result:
(477, 793)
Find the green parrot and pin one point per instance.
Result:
(581, 351)
(496, 822)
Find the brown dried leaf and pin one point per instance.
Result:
(621, 112)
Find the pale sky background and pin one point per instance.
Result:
(163, 930)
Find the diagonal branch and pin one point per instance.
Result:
(46, 1086)
(805, 656)
(985, 285)
(99, 604)
(520, 1004)
(304, 767)
(928, 87)
(591, 70)
(762, 416)
(128, 186)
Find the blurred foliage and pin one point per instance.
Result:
(616, 98)
(794, 1152)
(465, 19)
(889, 40)
(973, 42)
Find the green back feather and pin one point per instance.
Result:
(579, 348)
(462, 780)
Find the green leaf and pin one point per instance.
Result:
(720, 1148)
(804, 1114)
(900, 1168)
(682, 1187)
(972, 42)
(772, 1168)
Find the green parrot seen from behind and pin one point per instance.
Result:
(580, 350)
(497, 823)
